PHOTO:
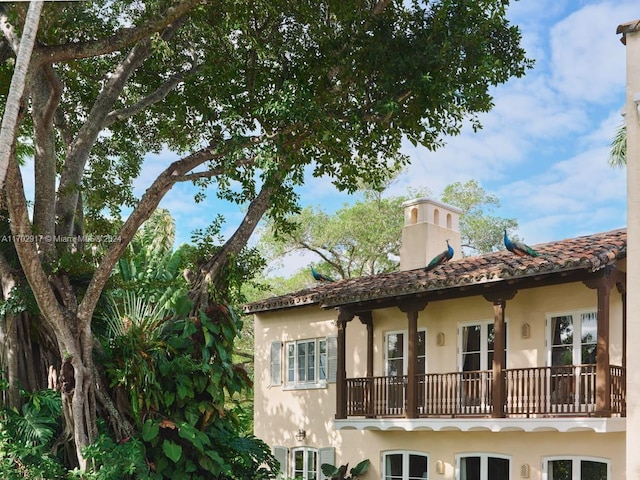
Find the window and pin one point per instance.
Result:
(572, 338)
(576, 468)
(405, 466)
(476, 346)
(483, 467)
(305, 464)
(307, 361)
(397, 353)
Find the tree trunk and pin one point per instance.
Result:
(17, 87)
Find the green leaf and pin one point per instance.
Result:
(150, 430)
(361, 468)
(172, 450)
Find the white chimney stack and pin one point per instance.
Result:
(428, 224)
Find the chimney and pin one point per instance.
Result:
(427, 226)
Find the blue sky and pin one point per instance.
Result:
(544, 147)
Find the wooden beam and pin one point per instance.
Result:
(603, 286)
(344, 316)
(498, 398)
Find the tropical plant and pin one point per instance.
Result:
(27, 437)
(340, 473)
(618, 152)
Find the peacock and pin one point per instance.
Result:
(519, 248)
(320, 277)
(441, 258)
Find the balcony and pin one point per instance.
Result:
(570, 391)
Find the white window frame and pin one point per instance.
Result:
(484, 342)
(405, 350)
(484, 462)
(577, 327)
(405, 462)
(317, 382)
(305, 456)
(575, 459)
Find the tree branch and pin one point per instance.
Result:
(122, 38)
(152, 98)
(81, 147)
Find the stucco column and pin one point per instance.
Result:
(631, 34)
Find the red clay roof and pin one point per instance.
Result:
(588, 253)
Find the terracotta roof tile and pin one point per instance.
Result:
(590, 253)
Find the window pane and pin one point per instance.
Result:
(311, 364)
(312, 465)
(560, 469)
(291, 362)
(498, 468)
(470, 468)
(471, 362)
(298, 463)
(322, 373)
(395, 353)
(589, 337)
(562, 330)
(302, 362)
(393, 467)
(418, 467)
(593, 470)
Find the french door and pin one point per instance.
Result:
(571, 353)
(476, 347)
(396, 366)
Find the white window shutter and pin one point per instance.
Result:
(326, 455)
(275, 373)
(282, 455)
(332, 359)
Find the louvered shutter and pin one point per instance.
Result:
(332, 359)
(326, 455)
(282, 455)
(275, 375)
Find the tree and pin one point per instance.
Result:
(359, 239)
(364, 238)
(480, 232)
(248, 95)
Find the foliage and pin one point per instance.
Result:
(26, 438)
(364, 238)
(340, 473)
(180, 392)
(480, 232)
(122, 460)
(618, 152)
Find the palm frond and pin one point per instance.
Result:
(618, 152)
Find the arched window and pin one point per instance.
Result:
(449, 221)
(414, 216)
(436, 216)
(405, 465)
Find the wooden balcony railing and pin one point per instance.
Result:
(539, 391)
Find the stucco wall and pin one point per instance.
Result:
(281, 412)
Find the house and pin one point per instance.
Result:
(493, 367)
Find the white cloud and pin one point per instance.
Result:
(587, 58)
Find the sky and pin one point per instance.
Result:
(544, 147)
